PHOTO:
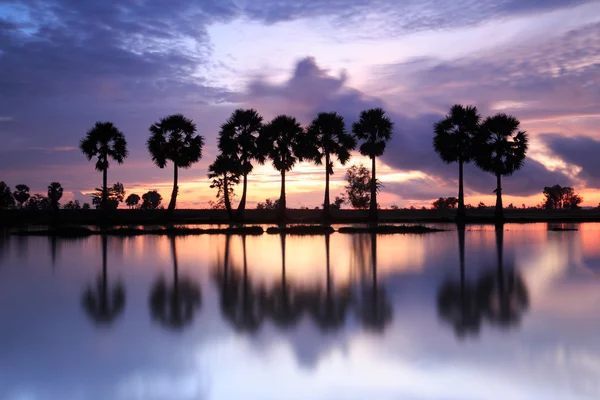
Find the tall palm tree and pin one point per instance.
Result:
(100, 305)
(173, 139)
(281, 141)
(500, 149)
(238, 140)
(227, 169)
(453, 142)
(174, 307)
(327, 133)
(55, 192)
(374, 128)
(106, 142)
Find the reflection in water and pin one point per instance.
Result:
(501, 297)
(174, 307)
(100, 305)
(53, 249)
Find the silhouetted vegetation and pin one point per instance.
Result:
(132, 201)
(55, 192)
(6, 197)
(557, 197)
(225, 173)
(21, 194)
(444, 203)
(105, 142)
(174, 139)
(268, 205)
(358, 188)
(151, 200)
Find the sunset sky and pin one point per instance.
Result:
(65, 64)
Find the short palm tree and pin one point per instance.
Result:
(173, 139)
(106, 142)
(281, 141)
(453, 142)
(500, 148)
(374, 129)
(55, 192)
(327, 133)
(238, 140)
(21, 194)
(227, 169)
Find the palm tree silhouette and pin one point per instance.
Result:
(327, 133)
(102, 306)
(104, 141)
(503, 295)
(500, 149)
(21, 194)
(238, 141)
(173, 139)
(281, 141)
(459, 306)
(285, 303)
(453, 142)
(55, 192)
(374, 128)
(174, 307)
(375, 308)
(329, 309)
(229, 169)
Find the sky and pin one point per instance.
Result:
(65, 64)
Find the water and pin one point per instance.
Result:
(411, 330)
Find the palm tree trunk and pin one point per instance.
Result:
(175, 266)
(175, 190)
(326, 202)
(282, 202)
(500, 260)
(373, 208)
(242, 205)
(226, 196)
(104, 189)
(499, 214)
(460, 214)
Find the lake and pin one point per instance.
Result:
(514, 315)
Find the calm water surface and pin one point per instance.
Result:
(516, 315)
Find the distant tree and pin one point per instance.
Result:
(38, 202)
(21, 194)
(151, 200)
(86, 206)
(358, 189)
(238, 142)
(374, 129)
(327, 133)
(500, 148)
(444, 203)
(281, 142)
(55, 192)
(115, 195)
(225, 174)
(453, 142)
(481, 205)
(337, 203)
(395, 207)
(268, 205)
(132, 200)
(557, 197)
(72, 205)
(104, 141)
(6, 197)
(174, 139)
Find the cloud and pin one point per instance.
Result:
(580, 151)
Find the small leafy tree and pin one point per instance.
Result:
(21, 194)
(72, 205)
(268, 205)
(557, 197)
(337, 203)
(38, 202)
(151, 200)
(358, 190)
(223, 199)
(86, 206)
(115, 195)
(132, 200)
(445, 203)
(6, 198)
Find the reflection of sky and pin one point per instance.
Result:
(50, 350)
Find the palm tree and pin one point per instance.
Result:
(173, 139)
(174, 307)
(21, 194)
(500, 149)
(100, 305)
(374, 128)
(55, 192)
(105, 141)
(227, 169)
(453, 142)
(327, 133)
(281, 141)
(238, 141)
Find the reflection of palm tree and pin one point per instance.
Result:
(376, 311)
(329, 309)
(174, 307)
(100, 304)
(459, 305)
(285, 305)
(503, 295)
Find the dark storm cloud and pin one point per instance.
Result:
(580, 151)
(311, 89)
